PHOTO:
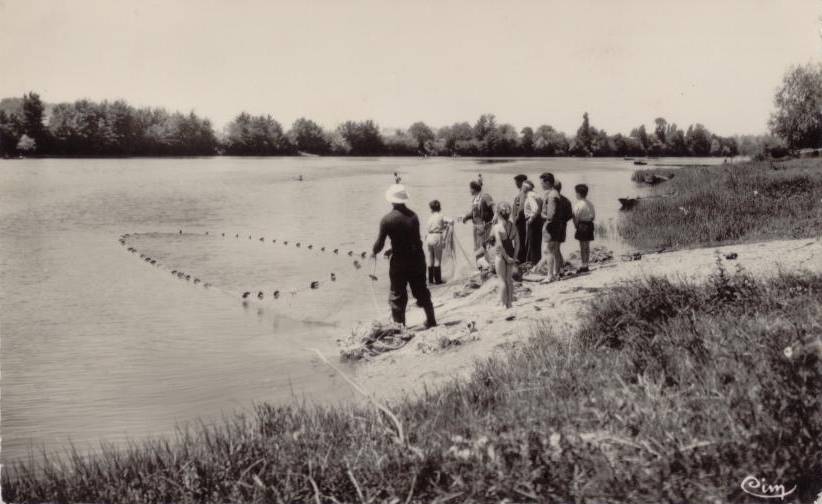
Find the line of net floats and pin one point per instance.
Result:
(313, 284)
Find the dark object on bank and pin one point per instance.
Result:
(628, 203)
(635, 256)
(246, 294)
(731, 256)
(654, 179)
(315, 284)
(639, 162)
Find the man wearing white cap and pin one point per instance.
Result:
(407, 258)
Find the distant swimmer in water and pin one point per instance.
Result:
(260, 295)
(350, 253)
(237, 235)
(298, 244)
(310, 247)
(285, 243)
(299, 178)
(397, 178)
(357, 264)
(274, 241)
(196, 281)
(322, 249)
(223, 235)
(181, 231)
(246, 294)
(333, 277)
(276, 294)
(315, 284)
(188, 277)
(336, 251)
(364, 254)
(262, 238)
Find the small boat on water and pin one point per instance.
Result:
(640, 162)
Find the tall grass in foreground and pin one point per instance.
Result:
(670, 392)
(747, 201)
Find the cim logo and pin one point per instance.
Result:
(760, 488)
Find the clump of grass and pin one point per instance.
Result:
(730, 203)
(643, 174)
(669, 392)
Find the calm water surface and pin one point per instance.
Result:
(97, 345)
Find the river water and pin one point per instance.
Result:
(98, 345)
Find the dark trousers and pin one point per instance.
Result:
(403, 274)
(533, 241)
(521, 224)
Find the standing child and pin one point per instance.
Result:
(505, 233)
(435, 242)
(584, 215)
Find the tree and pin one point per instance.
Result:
(458, 132)
(485, 125)
(527, 143)
(249, 135)
(363, 137)
(9, 133)
(308, 136)
(420, 132)
(698, 140)
(798, 115)
(584, 137)
(661, 129)
(26, 144)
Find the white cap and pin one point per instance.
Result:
(396, 194)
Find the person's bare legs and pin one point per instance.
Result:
(502, 274)
(509, 278)
(559, 262)
(585, 252)
(544, 260)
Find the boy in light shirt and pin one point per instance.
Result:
(584, 215)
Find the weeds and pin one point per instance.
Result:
(720, 204)
(670, 392)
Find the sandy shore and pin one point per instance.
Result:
(449, 351)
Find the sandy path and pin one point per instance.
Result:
(416, 366)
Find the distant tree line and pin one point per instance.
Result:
(86, 128)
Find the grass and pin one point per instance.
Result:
(668, 392)
(729, 203)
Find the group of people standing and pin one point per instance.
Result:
(529, 234)
(508, 238)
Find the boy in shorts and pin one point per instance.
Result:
(584, 215)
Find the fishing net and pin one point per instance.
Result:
(375, 338)
(449, 255)
(302, 281)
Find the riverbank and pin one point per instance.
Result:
(666, 377)
(705, 206)
(439, 355)
(625, 387)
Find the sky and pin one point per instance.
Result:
(626, 62)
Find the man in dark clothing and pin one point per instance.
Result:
(407, 259)
(518, 215)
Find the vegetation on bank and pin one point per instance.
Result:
(704, 206)
(669, 392)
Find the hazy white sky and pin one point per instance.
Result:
(529, 62)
